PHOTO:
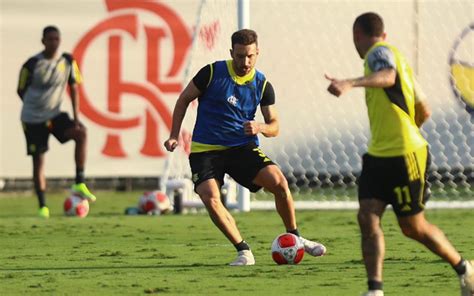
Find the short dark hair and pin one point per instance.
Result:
(49, 29)
(244, 37)
(370, 23)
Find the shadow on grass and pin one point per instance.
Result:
(158, 266)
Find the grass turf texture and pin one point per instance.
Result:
(109, 253)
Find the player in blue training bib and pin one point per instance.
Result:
(225, 139)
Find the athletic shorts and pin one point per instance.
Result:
(37, 134)
(242, 163)
(399, 181)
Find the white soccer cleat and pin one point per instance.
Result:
(313, 248)
(373, 293)
(467, 280)
(244, 257)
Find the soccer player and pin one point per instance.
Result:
(43, 80)
(225, 139)
(395, 168)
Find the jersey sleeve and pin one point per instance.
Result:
(203, 78)
(75, 75)
(381, 58)
(26, 74)
(268, 96)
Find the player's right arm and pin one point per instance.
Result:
(190, 93)
(382, 63)
(196, 87)
(381, 79)
(25, 78)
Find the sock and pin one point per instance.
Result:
(374, 285)
(41, 198)
(294, 231)
(79, 175)
(242, 246)
(460, 268)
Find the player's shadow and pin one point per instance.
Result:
(158, 266)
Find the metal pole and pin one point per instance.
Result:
(243, 11)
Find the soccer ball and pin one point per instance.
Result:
(154, 203)
(287, 248)
(75, 205)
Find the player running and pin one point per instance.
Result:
(395, 168)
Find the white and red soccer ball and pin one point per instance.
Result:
(154, 203)
(287, 248)
(75, 205)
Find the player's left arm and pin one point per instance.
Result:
(422, 109)
(270, 128)
(73, 92)
(74, 79)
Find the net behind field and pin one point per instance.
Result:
(214, 24)
(322, 138)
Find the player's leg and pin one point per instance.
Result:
(372, 240)
(64, 129)
(372, 204)
(208, 177)
(251, 168)
(410, 198)
(37, 144)
(271, 178)
(39, 180)
(210, 195)
(418, 228)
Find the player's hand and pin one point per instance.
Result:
(251, 128)
(422, 113)
(171, 144)
(338, 87)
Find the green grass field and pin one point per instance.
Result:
(109, 253)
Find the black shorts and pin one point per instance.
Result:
(37, 134)
(399, 181)
(241, 163)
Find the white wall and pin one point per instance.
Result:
(299, 41)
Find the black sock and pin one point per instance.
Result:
(460, 268)
(79, 176)
(294, 231)
(41, 198)
(242, 246)
(375, 285)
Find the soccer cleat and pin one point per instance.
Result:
(313, 248)
(244, 257)
(43, 212)
(467, 280)
(373, 293)
(83, 191)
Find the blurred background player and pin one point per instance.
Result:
(395, 168)
(225, 139)
(41, 87)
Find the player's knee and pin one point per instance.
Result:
(279, 187)
(412, 231)
(210, 199)
(82, 134)
(368, 225)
